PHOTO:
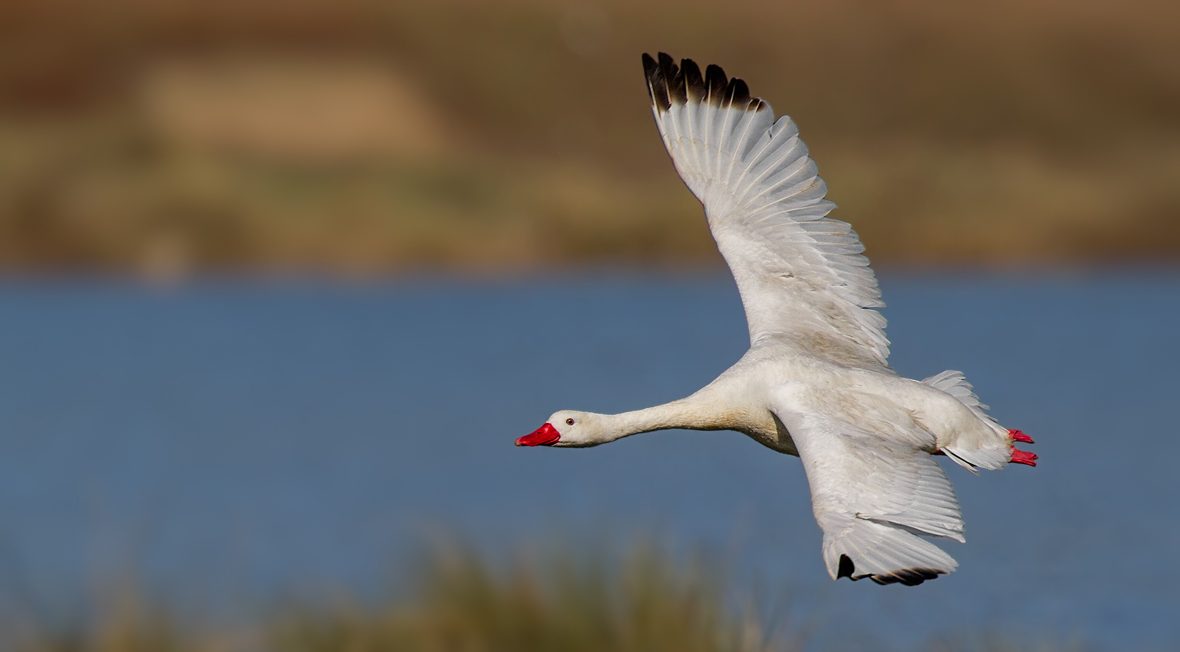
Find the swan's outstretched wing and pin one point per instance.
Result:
(801, 274)
(873, 493)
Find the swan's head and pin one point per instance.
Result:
(565, 428)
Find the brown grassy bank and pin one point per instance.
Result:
(644, 601)
(369, 137)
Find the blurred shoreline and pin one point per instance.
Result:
(346, 139)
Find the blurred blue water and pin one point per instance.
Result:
(232, 442)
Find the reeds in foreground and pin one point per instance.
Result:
(644, 600)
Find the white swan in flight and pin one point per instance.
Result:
(815, 381)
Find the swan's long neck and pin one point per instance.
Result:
(690, 413)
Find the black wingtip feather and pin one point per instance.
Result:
(657, 86)
(737, 93)
(716, 85)
(694, 83)
(670, 84)
(673, 79)
(905, 576)
(649, 65)
(846, 567)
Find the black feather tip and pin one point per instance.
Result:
(905, 576)
(670, 84)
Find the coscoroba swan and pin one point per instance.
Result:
(815, 381)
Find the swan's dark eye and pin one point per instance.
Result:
(569, 421)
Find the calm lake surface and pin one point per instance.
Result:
(234, 442)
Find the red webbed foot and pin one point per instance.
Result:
(1019, 456)
(1023, 457)
(1019, 436)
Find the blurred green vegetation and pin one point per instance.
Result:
(645, 600)
(364, 137)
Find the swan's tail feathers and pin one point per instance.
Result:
(1001, 450)
(884, 553)
(994, 456)
(955, 383)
